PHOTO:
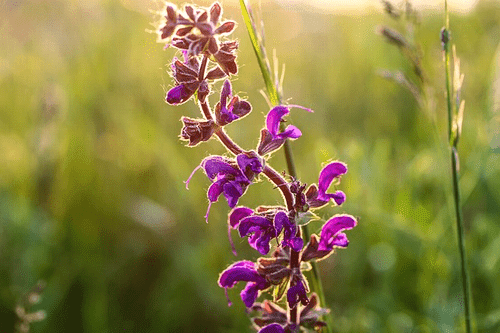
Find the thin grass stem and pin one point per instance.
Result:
(453, 133)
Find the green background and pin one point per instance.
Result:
(92, 199)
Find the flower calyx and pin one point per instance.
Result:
(197, 130)
(190, 80)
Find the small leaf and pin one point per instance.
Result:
(305, 266)
(306, 217)
(280, 289)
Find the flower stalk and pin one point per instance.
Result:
(208, 58)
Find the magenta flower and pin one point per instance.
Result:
(331, 235)
(226, 113)
(244, 271)
(317, 196)
(262, 228)
(227, 178)
(271, 137)
(186, 75)
(295, 294)
(282, 222)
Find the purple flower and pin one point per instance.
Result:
(186, 75)
(226, 113)
(204, 37)
(244, 271)
(261, 231)
(273, 328)
(295, 294)
(227, 179)
(317, 196)
(187, 78)
(261, 228)
(271, 138)
(331, 235)
(281, 221)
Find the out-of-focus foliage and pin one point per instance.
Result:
(92, 198)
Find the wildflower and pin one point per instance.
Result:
(228, 179)
(226, 113)
(317, 196)
(195, 30)
(187, 76)
(331, 235)
(250, 163)
(281, 221)
(295, 294)
(262, 227)
(271, 138)
(244, 271)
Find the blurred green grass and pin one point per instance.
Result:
(92, 198)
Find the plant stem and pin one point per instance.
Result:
(453, 140)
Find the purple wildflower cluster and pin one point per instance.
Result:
(209, 56)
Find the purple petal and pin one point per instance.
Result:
(281, 221)
(233, 192)
(340, 240)
(238, 214)
(249, 294)
(215, 165)
(328, 174)
(296, 243)
(178, 95)
(254, 163)
(253, 222)
(215, 190)
(239, 271)
(225, 93)
(295, 294)
(274, 118)
(272, 328)
(330, 230)
(262, 243)
(291, 132)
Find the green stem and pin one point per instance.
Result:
(455, 174)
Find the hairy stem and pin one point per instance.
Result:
(455, 175)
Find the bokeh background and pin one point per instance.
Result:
(92, 199)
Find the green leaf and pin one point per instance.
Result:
(280, 289)
(305, 266)
(306, 217)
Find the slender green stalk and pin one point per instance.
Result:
(453, 136)
(275, 98)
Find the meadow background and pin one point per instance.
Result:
(92, 199)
